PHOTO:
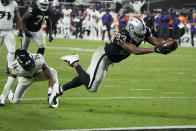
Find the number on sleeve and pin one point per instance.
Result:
(30, 9)
(121, 38)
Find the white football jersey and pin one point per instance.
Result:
(7, 15)
(67, 13)
(16, 68)
(93, 16)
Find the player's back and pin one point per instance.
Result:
(7, 16)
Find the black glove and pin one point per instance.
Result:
(50, 38)
(28, 34)
(162, 49)
(20, 34)
(49, 93)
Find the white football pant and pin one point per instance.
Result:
(37, 37)
(100, 63)
(66, 28)
(8, 38)
(93, 31)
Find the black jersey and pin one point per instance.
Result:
(115, 52)
(34, 24)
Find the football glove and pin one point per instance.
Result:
(162, 49)
(20, 34)
(28, 34)
(49, 93)
(50, 38)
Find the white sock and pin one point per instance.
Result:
(6, 90)
(10, 96)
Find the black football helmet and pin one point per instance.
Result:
(24, 59)
(5, 2)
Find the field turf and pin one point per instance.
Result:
(145, 90)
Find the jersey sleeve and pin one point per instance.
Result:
(39, 60)
(15, 68)
(148, 33)
(31, 10)
(122, 37)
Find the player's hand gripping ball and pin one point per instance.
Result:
(171, 44)
(166, 47)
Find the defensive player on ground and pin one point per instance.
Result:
(29, 68)
(9, 13)
(32, 22)
(125, 43)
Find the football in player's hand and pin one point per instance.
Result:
(171, 44)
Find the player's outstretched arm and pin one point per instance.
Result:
(135, 50)
(154, 41)
(48, 74)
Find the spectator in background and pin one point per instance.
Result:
(182, 25)
(55, 15)
(149, 20)
(192, 22)
(100, 23)
(24, 8)
(157, 24)
(164, 25)
(176, 29)
(66, 21)
(121, 19)
(96, 5)
(79, 19)
(144, 14)
(107, 21)
(137, 5)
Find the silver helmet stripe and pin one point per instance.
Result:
(141, 22)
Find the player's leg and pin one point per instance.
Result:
(7, 88)
(25, 42)
(68, 29)
(95, 72)
(10, 43)
(1, 39)
(21, 88)
(39, 39)
(100, 63)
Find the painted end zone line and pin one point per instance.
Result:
(188, 128)
(110, 98)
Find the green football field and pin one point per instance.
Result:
(146, 90)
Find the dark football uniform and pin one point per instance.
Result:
(115, 52)
(34, 24)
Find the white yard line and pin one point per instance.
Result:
(132, 128)
(140, 89)
(116, 98)
(71, 48)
